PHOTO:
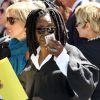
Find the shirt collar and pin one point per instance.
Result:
(35, 59)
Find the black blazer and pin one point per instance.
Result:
(82, 76)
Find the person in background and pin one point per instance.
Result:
(88, 26)
(4, 50)
(60, 6)
(3, 7)
(78, 2)
(63, 9)
(56, 70)
(16, 16)
(73, 34)
(69, 3)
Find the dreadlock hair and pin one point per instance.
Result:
(49, 4)
(61, 31)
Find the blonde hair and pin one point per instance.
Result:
(20, 10)
(89, 12)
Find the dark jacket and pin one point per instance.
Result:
(91, 50)
(82, 78)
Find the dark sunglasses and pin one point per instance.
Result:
(42, 30)
(11, 20)
(1, 10)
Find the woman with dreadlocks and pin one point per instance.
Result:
(57, 70)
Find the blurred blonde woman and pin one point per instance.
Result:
(88, 26)
(16, 16)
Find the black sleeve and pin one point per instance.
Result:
(82, 75)
(4, 50)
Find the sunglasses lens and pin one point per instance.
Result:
(11, 20)
(50, 30)
(1, 10)
(41, 30)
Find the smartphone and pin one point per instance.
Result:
(49, 38)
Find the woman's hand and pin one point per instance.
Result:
(54, 47)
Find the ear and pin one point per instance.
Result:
(88, 26)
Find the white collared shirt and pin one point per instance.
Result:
(62, 60)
